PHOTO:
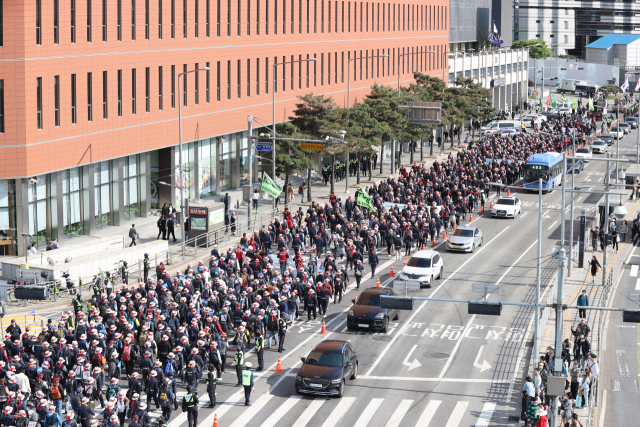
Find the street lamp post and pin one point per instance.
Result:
(184, 235)
(273, 89)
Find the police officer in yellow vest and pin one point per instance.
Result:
(247, 383)
(238, 361)
(190, 406)
(260, 350)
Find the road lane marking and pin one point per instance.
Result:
(367, 414)
(428, 413)
(415, 313)
(551, 226)
(524, 214)
(604, 407)
(623, 366)
(634, 271)
(399, 413)
(485, 415)
(341, 409)
(437, 380)
(281, 411)
(308, 413)
(637, 284)
(457, 414)
(252, 411)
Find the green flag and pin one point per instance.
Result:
(574, 104)
(563, 98)
(364, 199)
(591, 104)
(269, 186)
(554, 104)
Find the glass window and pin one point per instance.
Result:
(71, 203)
(207, 167)
(225, 145)
(41, 198)
(131, 189)
(8, 242)
(103, 187)
(187, 176)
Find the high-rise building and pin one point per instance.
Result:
(90, 89)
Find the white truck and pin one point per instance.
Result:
(569, 85)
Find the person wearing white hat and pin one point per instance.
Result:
(247, 383)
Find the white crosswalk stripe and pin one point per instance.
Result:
(428, 413)
(341, 409)
(281, 411)
(368, 413)
(308, 413)
(485, 415)
(457, 414)
(634, 271)
(399, 413)
(250, 412)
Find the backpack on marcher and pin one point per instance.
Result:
(168, 370)
(127, 353)
(55, 392)
(163, 398)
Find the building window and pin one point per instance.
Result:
(1, 28)
(119, 20)
(39, 101)
(208, 82)
(73, 21)
(228, 79)
(173, 86)
(266, 76)
(38, 22)
(184, 19)
(56, 100)
(41, 197)
(133, 19)
(104, 20)
(257, 76)
(131, 187)
(133, 91)
(196, 77)
(89, 97)
(184, 85)
(56, 21)
(105, 96)
(73, 99)
(147, 89)
(196, 19)
(266, 13)
(218, 81)
(257, 17)
(71, 203)
(103, 183)
(218, 12)
(238, 79)
(566, 39)
(119, 93)
(8, 228)
(239, 17)
(1, 106)
(248, 17)
(208, 15)
(566, 25)
(160, 20)
(146, 19)
(89, 21)
(160, 85)
(173, 19)
(248, 77)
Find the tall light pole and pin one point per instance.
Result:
(384, 55)
(180, 100)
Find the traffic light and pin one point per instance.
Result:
(487, 309)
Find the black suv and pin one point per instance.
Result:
(367, 313)
(327, 369)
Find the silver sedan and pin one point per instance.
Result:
(464, 239)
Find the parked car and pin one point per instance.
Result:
(574, 166)
(584, 153)
(599, 146)
(464, 239)
(606, 138)
(327, 369)
(626, 127)
(424, 267)
(366, 311)
(633, 121)
(616, 132)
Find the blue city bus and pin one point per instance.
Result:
(547, 166)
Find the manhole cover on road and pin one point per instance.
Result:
(382, 337)
(437, 355)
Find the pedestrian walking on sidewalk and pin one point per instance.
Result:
(133, 235)
(594, 239)
(583, 301)
(595, 266)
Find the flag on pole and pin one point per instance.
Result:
(625, 85)
(495, 37)
(606, 105)
(269, 186)
(637, 86)
(591, 104)
(554, 104)
(563, 99)
(574, 104)
(549, 99)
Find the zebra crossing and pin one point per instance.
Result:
(301, 411)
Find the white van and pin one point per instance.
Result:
(500, 125)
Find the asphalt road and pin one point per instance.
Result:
(437, 365)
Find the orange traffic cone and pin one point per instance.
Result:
(405, 257)
(215, 420)
(279, 365)
(454, 226)
(391, 272)
(508, 191)
(323, 331)
(482, 211)
(423, 247)
(433, 242)
(471, 218)
(355, 299)
(444, 234)
(378, 283)
(491, 204)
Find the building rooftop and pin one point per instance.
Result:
(612, 39)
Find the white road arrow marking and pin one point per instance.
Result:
(415, 362)
(484, 365)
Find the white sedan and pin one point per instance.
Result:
(507, 207)
(584, 153)
(599, 146)
(464, 239)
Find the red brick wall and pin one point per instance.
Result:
(28, 151)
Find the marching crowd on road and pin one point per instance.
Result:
(129, 349)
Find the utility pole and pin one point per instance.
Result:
(605, 227)
(536, 334)
(250, 156)
(573, 175)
